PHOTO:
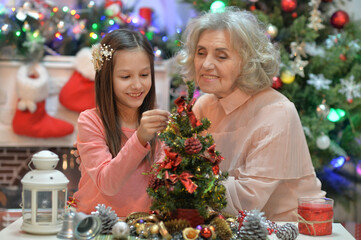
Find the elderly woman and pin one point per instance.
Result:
(256, 128)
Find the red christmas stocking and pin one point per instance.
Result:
(30, 118)
(78, 93)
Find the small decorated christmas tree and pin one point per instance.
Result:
(189, 175)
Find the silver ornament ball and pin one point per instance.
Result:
(121, 230)
(323, 142)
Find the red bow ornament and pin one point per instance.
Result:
(180, 102)
(185, 179)
(173, 160)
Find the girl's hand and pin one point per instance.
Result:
(152, 121)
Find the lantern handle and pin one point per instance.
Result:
(31, 160)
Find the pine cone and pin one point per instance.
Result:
(254, 226)
(107, 216)
(192, 145)
(288, 231)
(223, 230)
(155, 182)
(176, 225)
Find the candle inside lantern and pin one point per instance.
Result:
(315, 216)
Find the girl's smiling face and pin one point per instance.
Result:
(131, 78)
(217, 63)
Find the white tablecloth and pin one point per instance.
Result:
(13, 232)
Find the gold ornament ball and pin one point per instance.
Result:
(154, 229)
(287, 77)
(272, 30)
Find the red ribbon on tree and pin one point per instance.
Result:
(185, 179)
(212, 156)
(173, 159)
(180, 102)
(181, 106)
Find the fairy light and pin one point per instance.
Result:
(58, 35)
(77, 16)
(55, 9)
(217, 6)
(135, 20)
(111, 22)
(17, 33)
(338, 162)
(73, 12)
(93, 35)
(65, 9)
(95, 26)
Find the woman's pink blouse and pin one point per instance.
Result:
(117, 182)
(265, 152)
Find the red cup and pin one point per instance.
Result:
(315, 216)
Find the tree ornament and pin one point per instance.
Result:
(287, 77)
(113, 9)
(206, 232)
(288, 231)
(323, 142)
(272, 31)
(319, 81)
(107, 216)
(222, 227)
(254, 226)
(294, 15)
(288, 5)
(339, 19)
(343, 57)
(298, 66)
(121, 230)
(155, 182)
(252, 7)
(323, 110)
(315, 21)
(350, 89)
(276, 82)
(190, 233)
(192, 145)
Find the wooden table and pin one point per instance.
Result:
(13, 232)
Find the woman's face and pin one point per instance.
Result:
(217, 63)
(131, 78)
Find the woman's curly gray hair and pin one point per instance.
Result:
(260, 58)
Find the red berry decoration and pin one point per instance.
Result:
(252, 8)
(294, 15)
(288, 5)
(206, 232)
(339, 19)
(277, 82)
(342, 57)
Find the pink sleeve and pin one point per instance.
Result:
(108, 173)
(248, 193)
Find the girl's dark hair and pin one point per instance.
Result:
(121, 39)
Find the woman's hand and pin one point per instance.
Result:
(152, 121)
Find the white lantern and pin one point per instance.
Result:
(44, 195)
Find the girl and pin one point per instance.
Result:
(116, 140)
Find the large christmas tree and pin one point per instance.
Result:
(321, 73)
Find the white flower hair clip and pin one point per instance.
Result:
(101, 53)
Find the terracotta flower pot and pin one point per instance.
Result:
(192, 215)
